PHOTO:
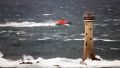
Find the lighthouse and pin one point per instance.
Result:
(88, 52)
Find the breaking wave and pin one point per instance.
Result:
(115, 48)
(100, 24)
(46, 14)
(95, 39)
(78, 39)
(112, 20)
(29, 61)
(107, 40)
(73, 39)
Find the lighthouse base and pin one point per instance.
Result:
(84, 63)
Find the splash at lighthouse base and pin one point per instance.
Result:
(56, 62)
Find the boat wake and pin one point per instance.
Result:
(29, 61)
(29, 24)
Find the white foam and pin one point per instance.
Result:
(45, 38)
(115, 48)
(107, 20)
(100, 24)
(112, 20)
(111, 40)
(1, 55)
(7, 62)
(29, 24)
(104, 35)
(95, 39)
(103, 63)
(46, 14)
(57, 62)
(3, 31)
(73, 39)
(116, 19)
(82, 34)
(107, 40)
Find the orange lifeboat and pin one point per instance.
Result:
(62, 22)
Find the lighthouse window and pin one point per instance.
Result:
(86, 33)
(86, 43)
(90, 28)
(86, 24)
(91, 55)
(90, 38)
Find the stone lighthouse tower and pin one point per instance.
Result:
(88, 42)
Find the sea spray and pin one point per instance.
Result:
(57, 62)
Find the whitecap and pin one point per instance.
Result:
(107, 19)
(110, 40)
(109, 9)
(115, 48)
(100, 48)
(107, 40)
(82, 34)
(73, 39)
(1, 55)
(3, 31)
(46, 14)
(104, 35)
(112, 20)
(95, 39)
(116, 19)
(45, 38)
(100, 24)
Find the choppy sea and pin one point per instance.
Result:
(28, 32)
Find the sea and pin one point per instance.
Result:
(29, 34)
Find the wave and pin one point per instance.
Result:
(107, 40)
(29, 61)
(46, 38)
(104, 35)
(95, 39)
(78, 39)
(100, 24)
(46, 14)
(82, 34)
(29, 24)
(115, 48)
(112, 20)
(73, 39)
